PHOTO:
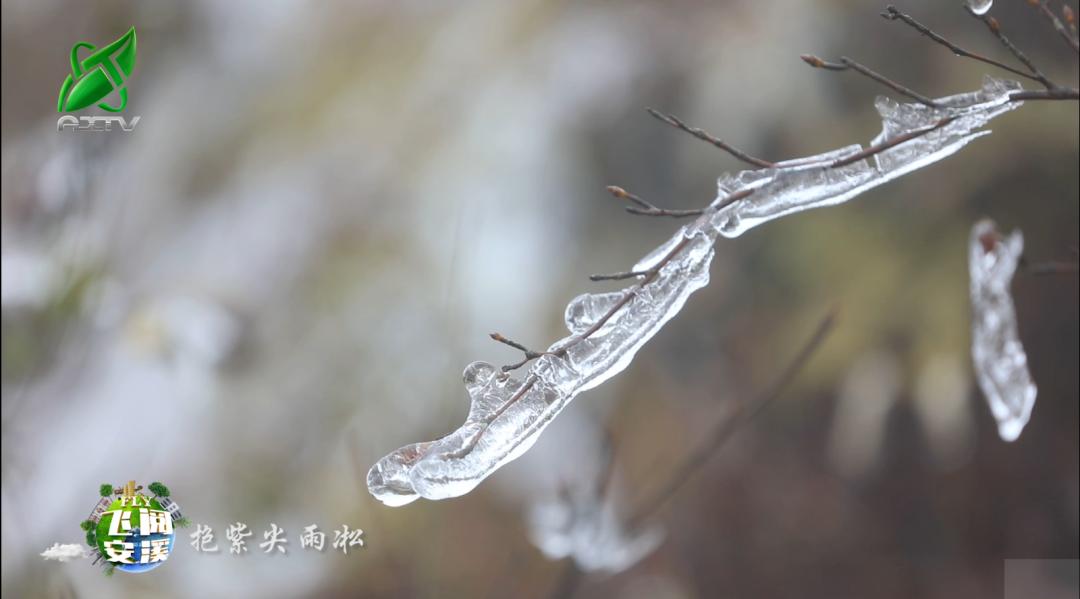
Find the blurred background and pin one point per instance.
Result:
(279, 276)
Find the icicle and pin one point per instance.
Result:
(806, 183)
(587, 528)
(996, 351)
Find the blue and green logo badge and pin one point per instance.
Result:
(98, 76)
(131, 531)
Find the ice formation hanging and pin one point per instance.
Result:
(508, 413)
(996, 351)
(587, 528)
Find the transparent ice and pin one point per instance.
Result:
(587, 528)
(996, 351)
(805, 183)
(508, 412)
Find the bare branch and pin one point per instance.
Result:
(1049, 268)
(1065, 33)
(846, 63)
(1058, 93)
(893, 14)
(529, 354)
(644, 208)
(995, 28)
(618, 276)
(701, 134)
(727, 429)
(890, 143)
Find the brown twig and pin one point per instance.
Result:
(572, 577)
(891, 13)
(1068, 36)
(644, 208)
(618, 276)
(529, 354)
(847, 63)
(530, 381)
(727, 429)
(1058, 93)
(890, 143)
(995, 28)
(1049, 268)
(701, 134)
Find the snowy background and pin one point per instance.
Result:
(326, 208)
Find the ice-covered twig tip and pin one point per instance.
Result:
(996, 351)
(507, 413)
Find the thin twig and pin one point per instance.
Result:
(618, 276)
(572, 577)
(995, 28)
(1069, 37)
(529, 354)
(726, 429)
(890, 143)
(1070, 18)
(1049, 267)
(531, 380)
(569, 581)
(891, 13)
(847, 63)
(644, 208)
(703, 135)
(1058, 93)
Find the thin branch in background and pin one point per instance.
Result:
(891, 13)
(995, 28)
(1052, 267)
(1067, 34)
(849, 64)
(572, 577)
(727, 429)
(1070, 17)
(644, 208)
(703, 135)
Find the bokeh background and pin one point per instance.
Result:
(326, 207)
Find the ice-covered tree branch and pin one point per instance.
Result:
(507, 413)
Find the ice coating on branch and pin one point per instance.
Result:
(806, 183)
(587, 528)
(508, 412)
(996, 351)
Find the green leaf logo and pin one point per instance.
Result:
(93, 78)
